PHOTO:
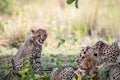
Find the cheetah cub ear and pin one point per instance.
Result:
(33, 31)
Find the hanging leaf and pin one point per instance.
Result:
(70, 1)
(76, 3)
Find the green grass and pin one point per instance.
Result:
(50, 59)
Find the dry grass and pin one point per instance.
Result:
(94, 20)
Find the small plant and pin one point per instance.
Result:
(79, 78)
(57, 61)
(27, 73)
(103, 74)
(91, 76)
(61, 42)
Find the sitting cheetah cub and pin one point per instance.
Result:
(31, 49)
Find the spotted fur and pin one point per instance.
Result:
(106, 53)
(65, 74)
(87, 64)
(31, 49)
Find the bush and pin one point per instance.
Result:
(27, 73)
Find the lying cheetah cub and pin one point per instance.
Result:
(88, 64)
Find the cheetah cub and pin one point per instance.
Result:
(31, 49)
(87, 63)
(107, 54)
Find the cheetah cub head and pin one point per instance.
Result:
(39, 36)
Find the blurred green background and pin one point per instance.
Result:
(68, 28)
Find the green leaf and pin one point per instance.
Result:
(61, 60)
(23, 76)
(36, 76)
(23, 71)
(52, 60)
(103, 76)
(88, 76)
(92, 75)
(7, 72)
(61, 42)
(52, 55)
(31, 79)
(106, 68)
(72, 59)
(70, 1)
(76, 3)
(5, 65)
(73, 78)
(79, 78)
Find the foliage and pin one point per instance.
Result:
(61, 41)
(79, 78)
(9, 7)
(103, 74)
(91, 76)
(61, 62)
(71, 1)
(27, 73)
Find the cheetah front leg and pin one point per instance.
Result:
(38, 64)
